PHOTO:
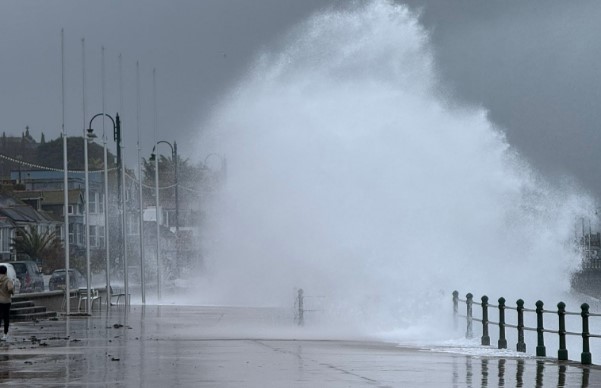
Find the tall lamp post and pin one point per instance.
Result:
(116, 129)
(88, 137)
(175, 163)
(65, 180)
(154, 157)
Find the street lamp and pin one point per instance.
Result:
(87, 186)
(116, 130)
(156, 174)
(175, 163)
(89, 136)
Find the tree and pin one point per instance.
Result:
(46, 246)
(50, 154)
(188, 176)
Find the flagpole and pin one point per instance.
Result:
(65, 178)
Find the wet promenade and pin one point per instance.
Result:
(172, 346)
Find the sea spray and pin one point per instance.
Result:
(353, 174)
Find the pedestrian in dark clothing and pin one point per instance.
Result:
(6, 292)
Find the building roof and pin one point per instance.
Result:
(51, 197)
(20, 212)
(8, 200)
(6, 222)
(26, 214)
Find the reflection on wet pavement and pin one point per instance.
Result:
(522, 372)
(242, 347)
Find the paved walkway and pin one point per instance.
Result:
(172, 346)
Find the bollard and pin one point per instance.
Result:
(502, 339)
(455, 308)
(301, 309)
(562, 353)
(485, 336)
(521, 346)
(469, 300)
(541, 351)
(585, 357)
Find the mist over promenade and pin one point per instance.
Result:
(158, 346)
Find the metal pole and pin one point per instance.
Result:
(87, 185)
(562, 353)
(585, 357)
(469, 300)
(521, 345)
(176, 161)
(502, 343)
(106, 194)
(301, 308)
(156, 191)
(485, 337)
(124, 211)
(455, 308)
(541, 350)
(106, 219)
(156, 188)
(65, 178)
(140, 203)
(123, 220)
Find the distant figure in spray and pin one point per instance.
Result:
(6, 291)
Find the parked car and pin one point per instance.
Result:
(30, 276)
(57, 280)
(12, 275)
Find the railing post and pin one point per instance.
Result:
(455, 308)
(485, 336)
(502, 339)
(301, 308)
(562, 353)
(585, 357)
(469, 300)
(541, 351)
(521, 346)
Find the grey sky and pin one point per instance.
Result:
(534, 65)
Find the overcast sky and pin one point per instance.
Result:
(534, 65)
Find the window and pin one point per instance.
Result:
(101, 237)
(93, 239)
(100, 203)
(71, 234)
(93, 203)
(133, 225)
(5, 239)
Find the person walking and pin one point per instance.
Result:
(6, 291)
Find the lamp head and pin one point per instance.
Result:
(152, 157)
(90, 135)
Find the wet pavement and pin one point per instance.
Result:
(240, 347)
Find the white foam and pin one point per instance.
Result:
(353, 175)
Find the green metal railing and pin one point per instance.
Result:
(562, 353)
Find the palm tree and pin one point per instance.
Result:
(30, 242)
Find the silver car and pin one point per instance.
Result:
(12, 275)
